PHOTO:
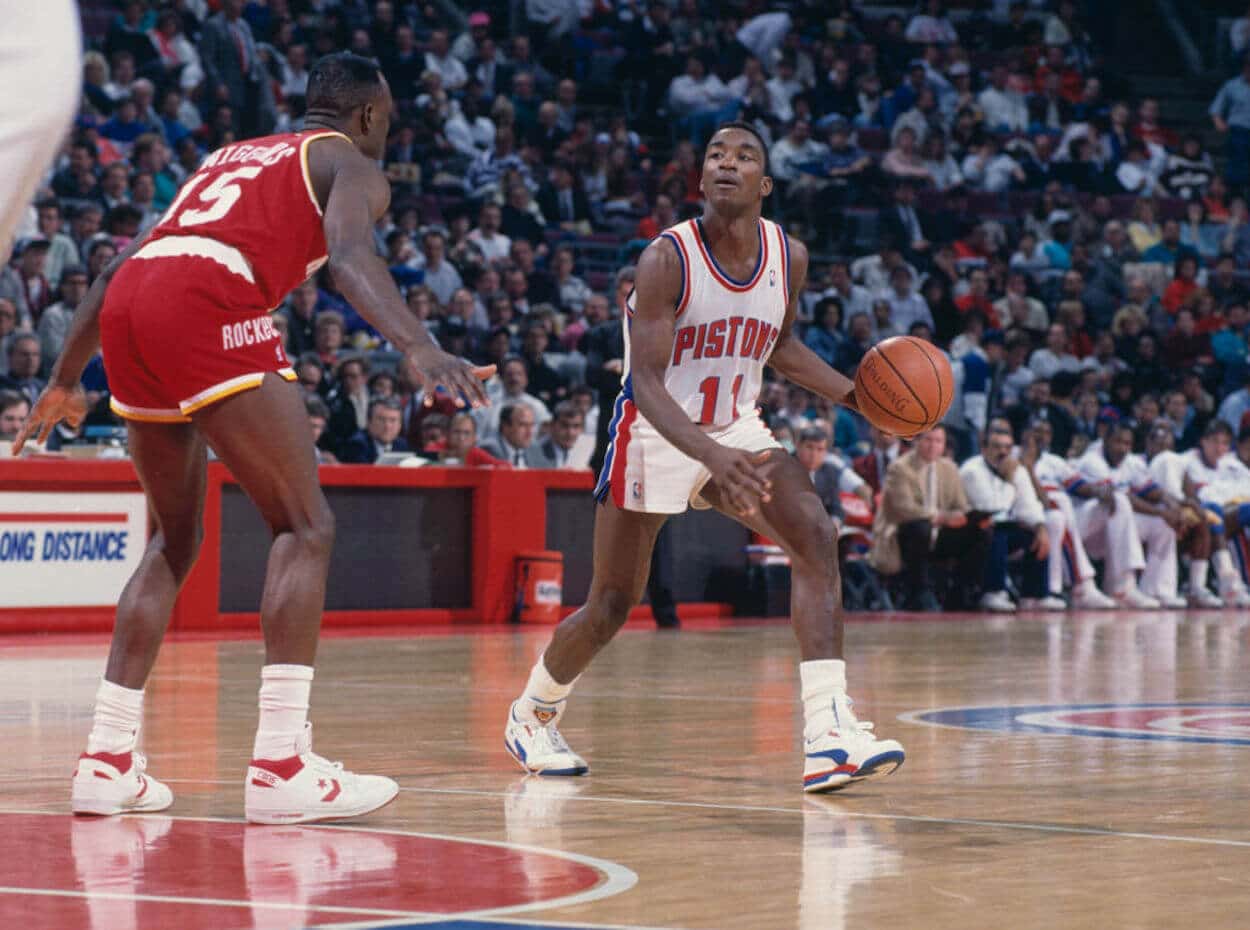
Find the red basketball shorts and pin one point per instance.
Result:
(173, 344)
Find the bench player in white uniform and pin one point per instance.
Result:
(41, 73)
(1182, 476)
(715, 302)
(1059, 482)
(1131, 531)
(1228, 496)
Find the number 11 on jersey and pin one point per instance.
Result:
(710, 389)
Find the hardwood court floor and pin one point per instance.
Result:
(1033, 816)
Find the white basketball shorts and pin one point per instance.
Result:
(644, 472)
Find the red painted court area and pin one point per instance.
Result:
(133, 873)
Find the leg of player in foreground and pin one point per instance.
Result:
(258, 436)
(40, 51)
(839, 748)
(622, 556)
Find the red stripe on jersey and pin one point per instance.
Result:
(617, 480)
(684, 300)
(785, 263)
(716, 272)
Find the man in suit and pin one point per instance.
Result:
(386, 422)
(872, 465)
(830, 475)
(24, 361)
(900, 222)
(234, 69)
(563, 202)
(516, 436)
(924, 516)
(569, 446)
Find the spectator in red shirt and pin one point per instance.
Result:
(460, 446)
(1184, 346)
(1148, 127)
(1071, 84)
(661, 217)
(978, 297)
(1182, 285)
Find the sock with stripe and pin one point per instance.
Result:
(284, 691)
(118, 713)
(821, 682)
(544, 697)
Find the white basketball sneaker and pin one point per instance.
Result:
(847, 752)
(1049, 602)
(1135, 599)
(115, 783)
(998, 602)
(1205, 598)
(537, 745)
(1088, 597)
(305, 788)
(1170, 601)
(1233, 593)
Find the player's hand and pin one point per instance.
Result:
(742, 478)
(1107, 496)
(952, 519)
(850, 401)
(1041, 543)
(55, 404)
(463, 381)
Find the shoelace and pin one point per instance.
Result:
(555, 742)
(140, 762)
(303, 747)
(851, 726)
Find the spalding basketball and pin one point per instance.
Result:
(904, 385)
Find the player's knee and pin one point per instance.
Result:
(317, 532)
(615, 605)
(816, 542)
(181, 547)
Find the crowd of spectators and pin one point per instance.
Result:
(1081, 262)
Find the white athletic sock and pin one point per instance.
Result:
(1198, 575)
(543, 698)
(118, 713)
(284, 693)
(822, 681)
(1225, 571)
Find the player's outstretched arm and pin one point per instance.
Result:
(63, 399)
(792, 358)
(357, 194)
(657, 290)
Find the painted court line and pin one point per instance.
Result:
(616, 877)
(214, 902)
(861, 815)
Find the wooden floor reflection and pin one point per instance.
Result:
(1076, 771)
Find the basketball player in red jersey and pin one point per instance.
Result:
(715, 302)
(192, 358)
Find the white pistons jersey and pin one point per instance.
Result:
(725, 332)
(726, 329)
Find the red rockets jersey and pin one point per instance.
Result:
(250, 208)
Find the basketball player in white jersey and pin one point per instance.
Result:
(1220, 479)
(715, 302)
(1058, 482)
(1137, 531)
(40, 71)
(1182, 476)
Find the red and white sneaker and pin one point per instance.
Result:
(305, 788)
(115, 783)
